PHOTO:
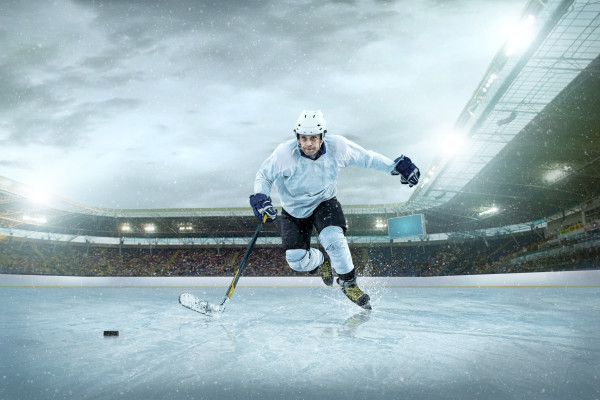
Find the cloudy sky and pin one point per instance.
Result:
(168, 104)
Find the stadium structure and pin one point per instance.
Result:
(529, 161)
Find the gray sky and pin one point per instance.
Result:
(168, 104)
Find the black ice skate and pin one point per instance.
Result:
(325, 271)
(353, 292)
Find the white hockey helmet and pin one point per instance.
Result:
(311, 123)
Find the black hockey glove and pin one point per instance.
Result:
(409, 173)
(261, 205)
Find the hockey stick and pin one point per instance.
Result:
(194, 303)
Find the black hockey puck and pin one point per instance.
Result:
(111, 333)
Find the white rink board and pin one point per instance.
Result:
(586, 278)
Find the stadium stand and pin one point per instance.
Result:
(523, 253)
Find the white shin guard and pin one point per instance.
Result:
(304, 260)
(333, 240)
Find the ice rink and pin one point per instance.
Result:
(526, 336)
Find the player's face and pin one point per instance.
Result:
(310, 144)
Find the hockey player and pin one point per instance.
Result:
(304, 171)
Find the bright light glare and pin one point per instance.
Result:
(554, 175)
(521, 36)
(150, 228)
(489, 211)
(35, 220)
(186, 227)
(38, 195)
(559, 173)
(380, 224)
(451, 143)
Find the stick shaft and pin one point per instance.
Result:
(242, 265)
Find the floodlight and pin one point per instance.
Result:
(35, 220)
(38, 195)
(490, 79)
(380, 224)
(150, 228)
(490, 211)
(186, 227)
(558, 174)
(451, 143)
(521, 36)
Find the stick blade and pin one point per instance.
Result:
(195, 304)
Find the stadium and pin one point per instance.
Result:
(528, 171)
(519, 208)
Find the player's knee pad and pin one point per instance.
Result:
(333, 240)
(303, 260)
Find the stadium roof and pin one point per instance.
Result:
(531, 130)
(530, 146)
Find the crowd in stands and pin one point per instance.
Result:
(524, 253)
(30, 257)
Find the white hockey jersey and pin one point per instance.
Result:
(303, 183)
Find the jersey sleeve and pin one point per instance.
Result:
(353, 154)
(279, 163)
(265, 176)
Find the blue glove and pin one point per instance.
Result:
(409, 173)
(261, 205)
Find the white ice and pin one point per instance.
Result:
(278, 340)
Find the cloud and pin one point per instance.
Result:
(148, 104)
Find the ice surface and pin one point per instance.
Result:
(301, 343)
